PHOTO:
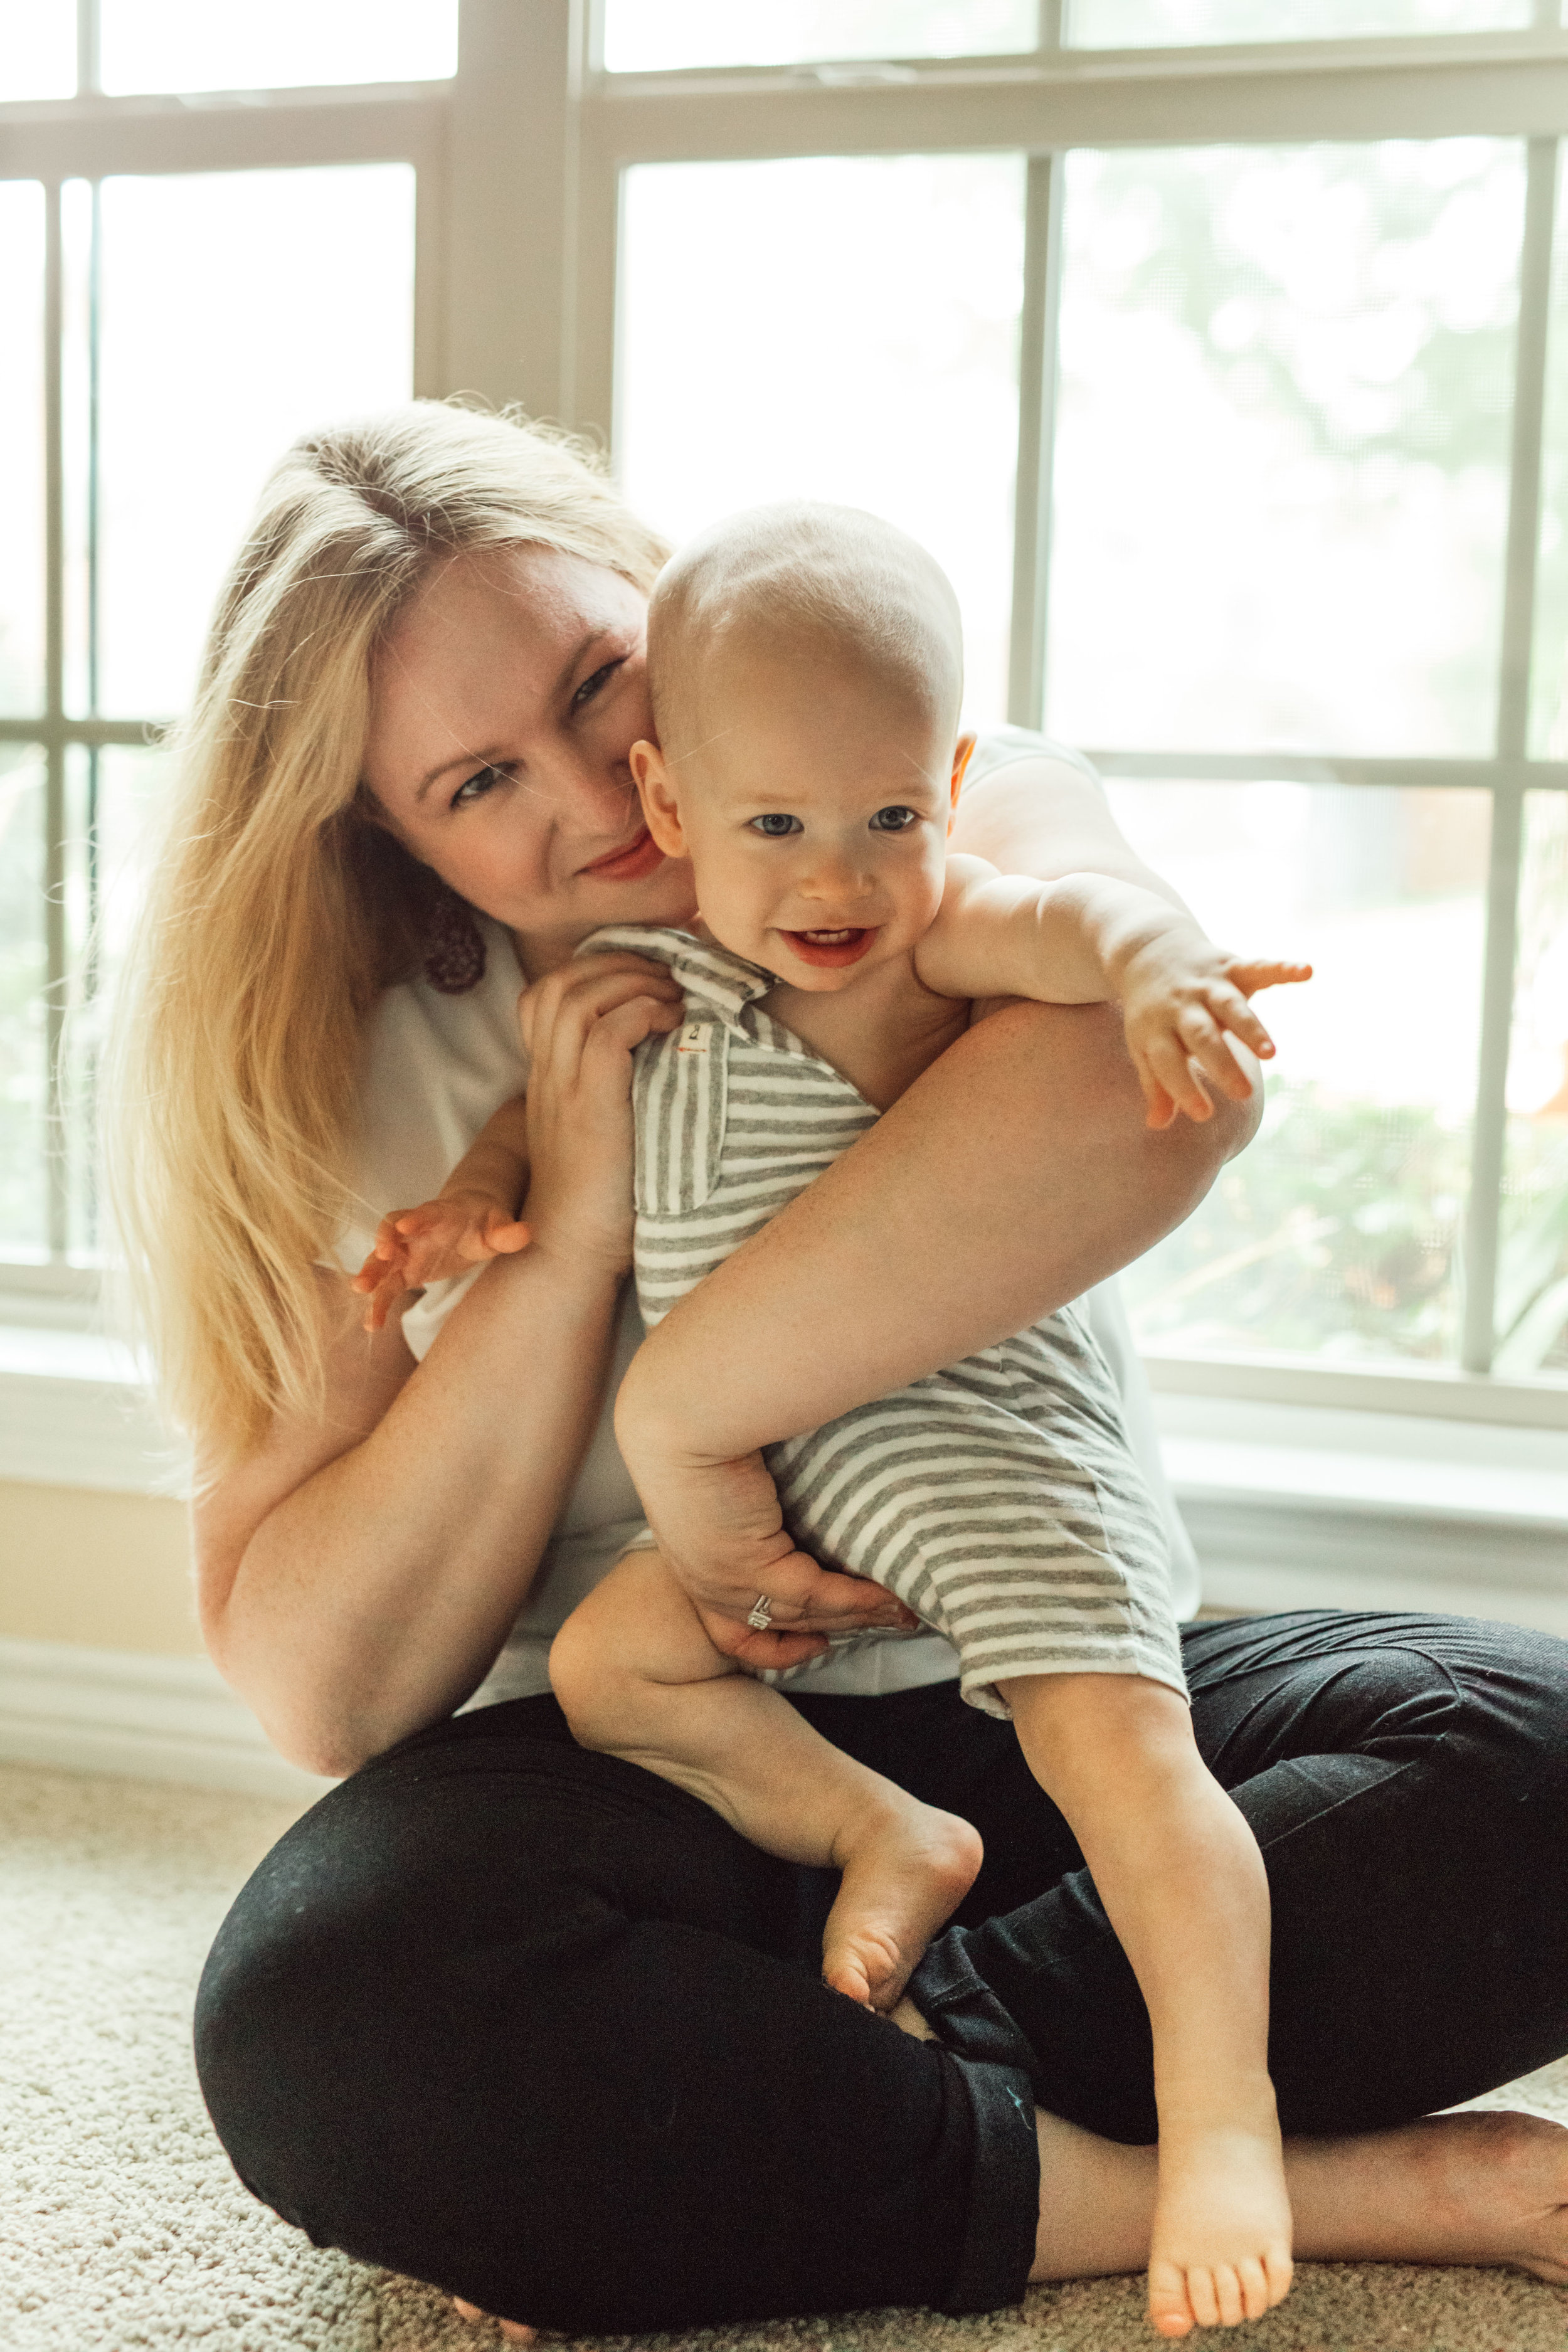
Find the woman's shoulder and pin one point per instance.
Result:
(999, 747)
(436, 1066)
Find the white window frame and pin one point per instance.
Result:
(519, 162)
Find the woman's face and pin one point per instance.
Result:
(505, 701)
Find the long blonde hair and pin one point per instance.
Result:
(278, 909)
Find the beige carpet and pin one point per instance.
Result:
(123, 2226)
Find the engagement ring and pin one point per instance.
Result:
(762, 1613)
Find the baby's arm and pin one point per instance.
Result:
(472, 1218)
(1087, 938)
(1183, 1883)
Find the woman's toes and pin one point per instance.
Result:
(514, 2331)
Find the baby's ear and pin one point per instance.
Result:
(656, 794)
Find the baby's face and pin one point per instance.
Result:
(814, 805)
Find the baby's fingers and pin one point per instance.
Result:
(1202, 1037)
(1173, 1072)
(1250, 977)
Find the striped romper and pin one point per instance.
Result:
(998, 1497)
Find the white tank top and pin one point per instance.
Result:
(436, 1068)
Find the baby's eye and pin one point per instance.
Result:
(476, 786)
(894, 820)
(776, 824)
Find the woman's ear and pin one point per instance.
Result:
(962, 751)
(656, 794)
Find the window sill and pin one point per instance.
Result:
(75, 1412)
(1291, 1505)
(1295, 1506)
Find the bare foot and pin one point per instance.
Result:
(513, 2330)
(905, 1866)
(1220, 2249)
(1489, 2188)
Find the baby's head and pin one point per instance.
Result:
(806, 666)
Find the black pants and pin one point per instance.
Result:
(532, 2025)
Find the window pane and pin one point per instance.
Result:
(192, 44)
(22, 438)
(110, 793)
(1549, 668)
(654, 36)
(238, 310)
(1533, 1266)
(852, 334)
(1336, 1234)
(1171, 23)
(38, 50)
(24, 1046)
(1281, 477)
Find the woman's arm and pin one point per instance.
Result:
(357, 1577)
(1045, 816)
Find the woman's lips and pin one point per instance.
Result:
(832, 947)
(630, 863)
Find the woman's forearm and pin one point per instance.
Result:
(1013, 1175)
(374, 1597)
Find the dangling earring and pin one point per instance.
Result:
(455, 947)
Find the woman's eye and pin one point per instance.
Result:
(476, 786)
(591, 685)
(894, 820)
(776, 824)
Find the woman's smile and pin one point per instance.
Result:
(640, 855)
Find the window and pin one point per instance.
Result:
(1218, 348)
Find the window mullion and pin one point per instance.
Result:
(88, 57)
(1037, 415)
(1488, 1140)
(54, 728)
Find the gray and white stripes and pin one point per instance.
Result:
(997, 1497)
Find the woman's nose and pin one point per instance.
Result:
(595, 795)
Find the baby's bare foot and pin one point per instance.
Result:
(1221, 2244)
(906, 1866)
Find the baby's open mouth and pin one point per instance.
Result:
(846, 943)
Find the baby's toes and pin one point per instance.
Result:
(1229, 2294)
(1280, 2270)
(1169, 2307)
(1202, 2295)
(1257, 2296)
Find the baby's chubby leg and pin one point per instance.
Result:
(638, 1677)
(1184, 1885)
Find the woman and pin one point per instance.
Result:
(529, 2022)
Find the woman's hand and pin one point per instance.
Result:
(581, 1024)
(722, 1532)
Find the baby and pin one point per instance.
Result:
(805, 669)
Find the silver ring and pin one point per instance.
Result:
(761, 1617)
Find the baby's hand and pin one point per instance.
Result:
(443, 1237)
(1179, 994)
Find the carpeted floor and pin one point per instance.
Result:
(123, 2226)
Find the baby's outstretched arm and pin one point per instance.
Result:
(1089, 938)
(472, 1218)
(1182, 1880)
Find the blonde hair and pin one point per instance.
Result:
(278, 909)
(828, 582)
